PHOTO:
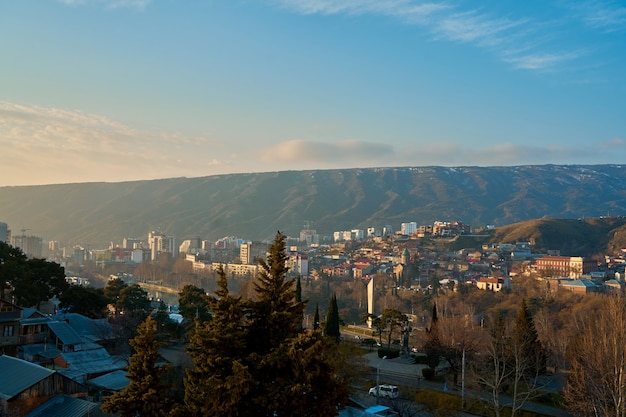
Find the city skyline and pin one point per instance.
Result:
(120, 90)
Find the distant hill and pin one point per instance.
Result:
(254, 206)
(583, 237)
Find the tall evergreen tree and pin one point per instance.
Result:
(525, 336)
(254, 359)
(316, 317)
(275, 315)
(331, 329)
(298, 290)
(220, 381)
(299, 298)
(145, 395)
(433, 346)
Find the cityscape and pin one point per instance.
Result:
(377, 270)
(312, 208)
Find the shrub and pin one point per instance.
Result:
(420, 359)
(428, 374)
(389, 353)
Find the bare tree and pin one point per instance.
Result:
(596, 385)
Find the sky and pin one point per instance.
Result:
(121, 90)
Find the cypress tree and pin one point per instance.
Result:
(316, 317)
(145, 395)
(331, 329)
(298, 290)
(526, 337)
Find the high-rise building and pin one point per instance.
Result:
(30, 245)
(408, 228)
(245, 253)
(129, 243)
(4, 232)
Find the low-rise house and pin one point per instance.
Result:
(493, 283)
(24, 386)
(581, 286)
(65, 405)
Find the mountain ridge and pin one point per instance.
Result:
(255, 205)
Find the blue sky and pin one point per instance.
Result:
(116, 90)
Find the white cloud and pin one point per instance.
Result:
(542, 61)
(326, 153)
(51, 145)
(302, 154)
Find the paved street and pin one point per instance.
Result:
(402, 372)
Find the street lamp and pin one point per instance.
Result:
(378, 380)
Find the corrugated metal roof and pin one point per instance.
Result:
(41, 349)
(93, 361)
(96, 329)
(17, 375)
(114, 381)
(66, 406)
(65, 333)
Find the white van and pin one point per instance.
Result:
(386, 391)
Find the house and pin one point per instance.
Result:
(581, 286)
(493, 283)
(565, 266)
(64, 406)
(24, 386)
(107, 384)
(10, 316)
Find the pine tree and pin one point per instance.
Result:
(254, 359)
(290, 368)
(331, 328)
(145, 395)
(275, 315)
(220, 381)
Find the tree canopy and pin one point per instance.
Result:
(145, 395)
(194, 303)
(32, 280)
(255, 359)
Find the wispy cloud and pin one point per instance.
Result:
(399, 8)
(541, 61)
(525, 42)
(69, 146)
(473, 27)
(110, 4)
(609, 16)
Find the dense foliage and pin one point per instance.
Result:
(253, 358)
(32, 280)
(145, 395)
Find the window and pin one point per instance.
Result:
(8, 331)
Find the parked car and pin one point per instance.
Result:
(386, 391)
